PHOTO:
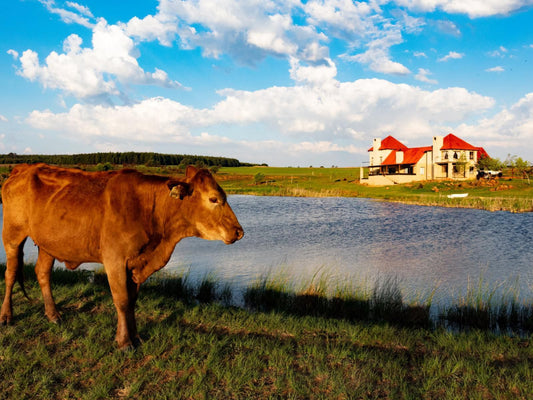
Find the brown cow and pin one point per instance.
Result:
(125, 220)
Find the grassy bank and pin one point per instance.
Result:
(514, 195)
(195, 347)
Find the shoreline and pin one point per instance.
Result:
(491, 204)
(506, 194)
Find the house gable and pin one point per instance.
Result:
(390, 143)
(452, 142)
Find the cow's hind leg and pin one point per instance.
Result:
(43, 270)
(14, 264)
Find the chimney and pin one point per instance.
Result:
(438, 142)
(377, 144)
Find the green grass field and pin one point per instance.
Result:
(504, 194)
(196, 348)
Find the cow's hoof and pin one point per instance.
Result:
(6, 319)
(128, 348)
(137, 341)
(54, 318)
(124, 345)
(130, 345)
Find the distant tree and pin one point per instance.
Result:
(489, 163)
(127, 158)
(524, 167)
(104, 167)
(521, 166)
(258, 178)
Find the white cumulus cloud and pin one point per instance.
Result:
(13, 54)
(377, 56)
(452, 55)
(83, 10)
(86, 72)
(500, 52)
(248, 31)
(252, 30)
(348, 111)
(81, 14)
(511, 128)
(423, 76)
(472, 8)
(313, 74)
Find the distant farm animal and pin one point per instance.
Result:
(128, 221)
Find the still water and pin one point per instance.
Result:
(364, 240)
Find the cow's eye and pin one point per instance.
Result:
(213, 200)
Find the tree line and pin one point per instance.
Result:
(121, 158)
(513, 165)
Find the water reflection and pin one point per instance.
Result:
(365, 239)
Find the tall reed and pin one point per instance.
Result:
(486, 306)
(316, 297)
(495, 307)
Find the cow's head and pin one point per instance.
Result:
(207, 208)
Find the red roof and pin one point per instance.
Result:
(413, 155)
(391, 159)
(410, 156)
(390, 143)
(452, 142)
(481, 153)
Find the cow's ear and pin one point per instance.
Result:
(178, 190)
(191, 171)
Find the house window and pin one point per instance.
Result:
(455, 155)
(471, 155)
(445, 155)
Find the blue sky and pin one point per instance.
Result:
(288, 83)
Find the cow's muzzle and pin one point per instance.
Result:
(238, 234)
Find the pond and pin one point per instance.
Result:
(363, 240)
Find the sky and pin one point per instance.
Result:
(282, 82)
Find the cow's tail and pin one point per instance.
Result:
(20, 280)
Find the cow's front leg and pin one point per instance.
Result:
(133, 292)
(124, 292)
(152, 260)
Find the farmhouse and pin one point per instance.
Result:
(449, 157)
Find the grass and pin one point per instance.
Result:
(506, 194)
(490, 307)
(196, 348)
